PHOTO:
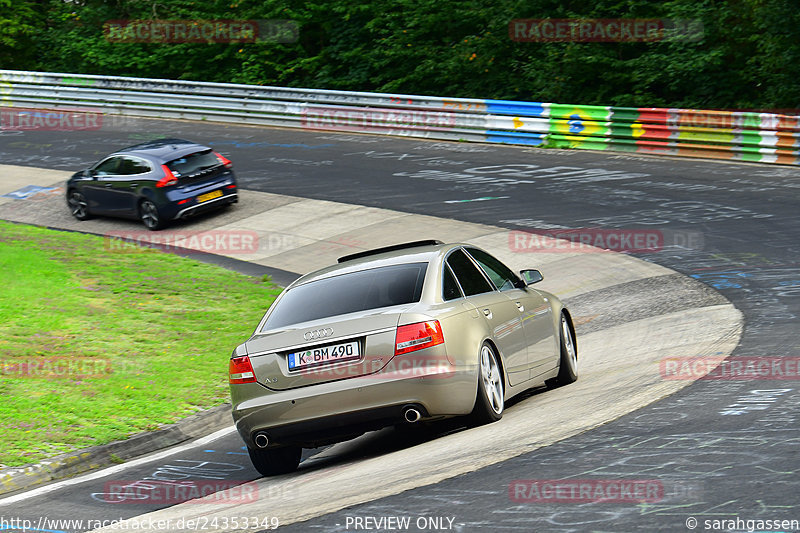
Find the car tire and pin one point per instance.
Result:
(489, 403)
(275, 461)
(78, 205)
(149, 215)
(568, 364)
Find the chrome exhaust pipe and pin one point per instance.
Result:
(411, 415)
(261, 440)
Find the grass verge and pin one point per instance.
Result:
(97, 344)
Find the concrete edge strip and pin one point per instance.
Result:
(16, 479)
(116, 468)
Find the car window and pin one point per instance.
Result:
(192, 163)
(502, 276)
(132, 165)
(108, 167)
(450, 288)
(470, 278)
(349, 293)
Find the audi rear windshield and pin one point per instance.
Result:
(193, 163)
(349, 293)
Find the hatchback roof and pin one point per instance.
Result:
(164, 149)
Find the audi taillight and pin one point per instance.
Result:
(417, 336)
(224, 160)
(240, 370)
(168, 179)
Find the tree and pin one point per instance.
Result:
(18, 20)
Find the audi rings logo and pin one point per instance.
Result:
(317, 334)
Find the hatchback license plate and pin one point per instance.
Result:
(209, 196)
(324, 355)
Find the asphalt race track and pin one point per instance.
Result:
(717, 450)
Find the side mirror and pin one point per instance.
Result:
(531, 276)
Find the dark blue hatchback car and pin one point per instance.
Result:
(157, 182)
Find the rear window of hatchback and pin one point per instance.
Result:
(193, 163)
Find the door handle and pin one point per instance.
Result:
(488, 313)
(134, 185)
(109, 185)
(520, 306)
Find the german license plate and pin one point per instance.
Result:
(324, 355)
(208, 196)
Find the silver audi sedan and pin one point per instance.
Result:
(414, 332)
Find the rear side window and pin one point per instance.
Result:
(450, 289)
(193, 163)
(109, 167)
(468, 275)
(349, 293)
(132, 165)
(502, 276)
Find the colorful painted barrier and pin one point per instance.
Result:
(733, 135)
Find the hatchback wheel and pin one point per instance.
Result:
(274, 461)
(149, 215)
(78, 205)
(489, 403)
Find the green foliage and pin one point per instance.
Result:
(18, 21)
(747, 57)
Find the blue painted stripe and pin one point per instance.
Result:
(515, 137)
(519, 109)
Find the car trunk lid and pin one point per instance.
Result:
(325, 350)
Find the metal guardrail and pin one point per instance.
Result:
(747, 136)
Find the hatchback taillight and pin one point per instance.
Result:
(418, 336)
(240, 370)
(224, 160)
(168, 179)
